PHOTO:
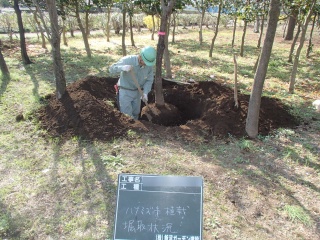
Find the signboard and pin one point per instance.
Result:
(154, 207)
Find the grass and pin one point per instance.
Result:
(296, 213)
(53, 189)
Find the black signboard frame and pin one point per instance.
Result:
(157, 207)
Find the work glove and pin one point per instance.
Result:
(126, 68)
(144, 98)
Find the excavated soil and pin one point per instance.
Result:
(201, 111)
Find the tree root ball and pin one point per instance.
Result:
(167, 115)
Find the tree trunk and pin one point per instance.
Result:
(131, 31)
(243, 38)
(234, 31)
(71, 26)
(252, 121)
(285, 28)
(165, 13)
(217, 29)
(293, 44)
(256, 63)
(262, 25)
(261, 32)
(124, 51)
(24, 55)
(201, 23)
(65, 42)
(108, 23)
(35, 17)
(56, 53)
(291, 26)
(167, 62)
(3, 65)
(309, 49)
(153, 28)
(174, 27)
(301, 42)
(256, 28)
(235, 90)
(87, 28)
(83, 32)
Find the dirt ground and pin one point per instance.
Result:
(205, 110)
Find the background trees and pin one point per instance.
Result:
(260, 75)
(55, 45)
(24, 54)
(84, 16)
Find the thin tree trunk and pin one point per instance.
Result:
(243, 38)
(285, 28)
(297, 55)
(83, 32)
(293, 44)
(65, 42)
(87, 28)
(262, 26)
(131, 31)
(256, 63)
(24, 54)
(235, 90)
(153, 27)
(234, 31)
(167, 62)
(256, 28)
(35, 17)
(71, 29)
(252, 121)
(108, 23)
(217, 29)
(261, 32)
(201, 23)
(124, 51)
(56, 53)
(309, 49)
(174, 27)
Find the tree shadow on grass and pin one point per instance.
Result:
(264, 173)
(94, 184)
(4, 84)
(33, 77)
(95, 194)
(9, 226)
(107, 187)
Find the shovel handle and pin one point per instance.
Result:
(137, 85)
(141, 93)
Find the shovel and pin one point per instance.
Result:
(141, 93)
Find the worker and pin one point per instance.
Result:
(141, 66)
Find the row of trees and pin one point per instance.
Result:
(299, 13)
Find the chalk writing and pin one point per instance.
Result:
(136, 226)
(158, 207)
(156, 211)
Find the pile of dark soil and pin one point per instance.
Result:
(207, 109)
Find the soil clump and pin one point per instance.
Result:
(202, 110)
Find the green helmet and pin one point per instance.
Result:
(148, 55)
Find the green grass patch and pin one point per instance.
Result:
(296, 213)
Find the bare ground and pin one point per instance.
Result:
(205, 109)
